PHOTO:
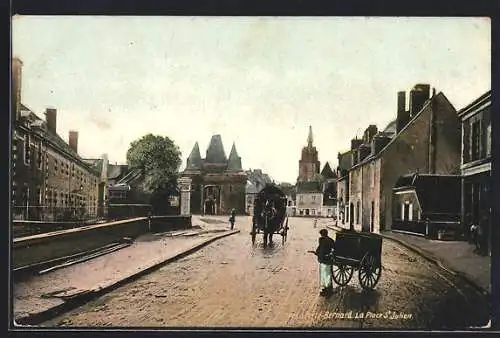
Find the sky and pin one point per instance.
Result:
(259, 82)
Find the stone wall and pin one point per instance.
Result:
(39, 248)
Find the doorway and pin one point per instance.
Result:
(209, 207)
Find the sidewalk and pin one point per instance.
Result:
(457, 257)
(40, 297)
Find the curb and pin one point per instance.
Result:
(431, 258)
(72, 303)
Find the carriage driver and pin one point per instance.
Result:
(323, 252)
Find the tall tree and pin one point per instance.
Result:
(159, 157)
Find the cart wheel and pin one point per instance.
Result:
(342, 274)
(369, 272)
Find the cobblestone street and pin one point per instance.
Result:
(231, 283)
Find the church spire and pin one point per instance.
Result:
(310, 137)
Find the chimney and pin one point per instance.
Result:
(73, 140)
(51, 119)
(364, 151)
(369, 133)
(418, 95)
(378, 143)
(403, 116)
(355, 143)
(17, 66)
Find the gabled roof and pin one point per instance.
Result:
(130, 176)
(327, 171)
(436, 193)
(53, 138)
(116, 170)
(215, 151)
(234, 162)
(436, 98)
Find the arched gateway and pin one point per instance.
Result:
(218, 182)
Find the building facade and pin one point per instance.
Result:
(329, 188)
(429, 142)
(50, 181)
(218, 182)
(475, 166)
(428, 205)
(256, 180)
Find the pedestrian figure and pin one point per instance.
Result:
(232, 218)
(324, 253)
(474, 234)
(315, 222)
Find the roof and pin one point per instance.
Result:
(327, 171)
(130, 176)
(434, 98)
(234, 161)
(436, 193)
(309, 187)
(391, 127)
(95, 163)
(54, 138)
(215, 151)
(257, 179)
(115, 171)
(194, 159)
(485, 98)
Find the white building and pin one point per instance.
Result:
(309, 198)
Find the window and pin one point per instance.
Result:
(466, 141)
(488, 140)
(406, 211)
(357, 212)
(476, 140)
(313, 198)
(27, 157)
(313, 212)
(301, 198)
(55, 165)
(230, 188)
(39, 195)
(39, 156)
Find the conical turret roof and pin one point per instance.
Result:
(194, 159)
(215, 151)
(234, 162)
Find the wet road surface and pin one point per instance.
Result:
(231, 283)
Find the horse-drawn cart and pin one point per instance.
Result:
(269, 215)
(359, 251)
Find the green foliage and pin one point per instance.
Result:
(159, 157)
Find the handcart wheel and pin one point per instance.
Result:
(370, 270)
(342, 274)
